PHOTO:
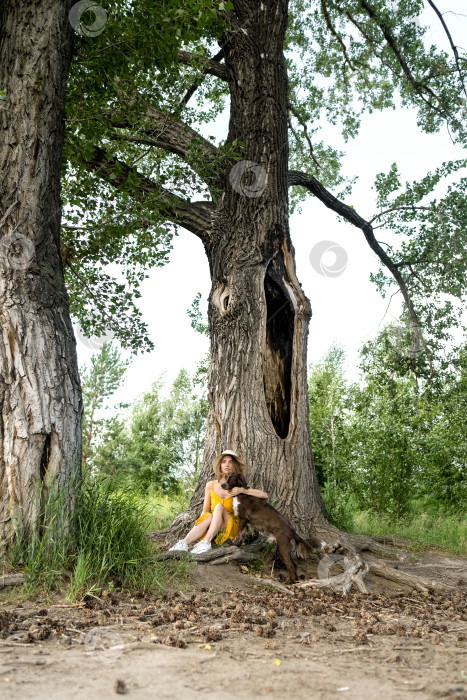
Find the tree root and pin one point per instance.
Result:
(349, 551)
(354, 571)
(412, 580)
(219, 555)
(384, 546)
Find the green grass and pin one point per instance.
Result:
(425, 530)
(106, 544)
(164, 508)
(426, 525)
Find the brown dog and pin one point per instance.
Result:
(264, 518)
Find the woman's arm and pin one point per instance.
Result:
(250, 492)
(207, 499)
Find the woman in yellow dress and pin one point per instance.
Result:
(217, 516)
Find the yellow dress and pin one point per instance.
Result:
(232, 525)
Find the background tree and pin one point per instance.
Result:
(329, 423)
(99, 383)
(327, 393)
(392, 444)
(142, 162)
(156, 444)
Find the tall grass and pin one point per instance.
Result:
(105, 544)
(165, 508)
(425, 530)
(426, 525)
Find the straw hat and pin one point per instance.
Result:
(217, 460)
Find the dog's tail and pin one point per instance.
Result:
(305, 547)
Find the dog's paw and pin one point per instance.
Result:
(333, 547)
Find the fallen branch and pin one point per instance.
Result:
(276, 584)
(412, 580)
(11, 580)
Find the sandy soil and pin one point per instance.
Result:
(228, 635)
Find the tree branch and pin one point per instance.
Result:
(315, 187)
(334, 33)
(194, 216)
(397, 208)
(210, 65)
(453, 46)
(174, 137)
(417, 85)
(305, 131)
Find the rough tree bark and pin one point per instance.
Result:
(258, 313)
(40, 396)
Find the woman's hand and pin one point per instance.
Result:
(236, 491)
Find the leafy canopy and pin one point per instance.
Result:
(141, 150)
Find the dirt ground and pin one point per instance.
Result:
(230, 635)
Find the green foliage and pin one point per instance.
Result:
(125, 188)
(200, 325)
(394, 438)
(156, 442)
(105, 542)
(385, 433)
(166, 507)
(327, 403)
(99, 383)
(421, 527)
(114, 78)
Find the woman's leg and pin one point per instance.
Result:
(198, 530)
(220, 518)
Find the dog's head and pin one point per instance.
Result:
(234, 480)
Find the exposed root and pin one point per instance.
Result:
(412, 580)
(240, 556)
(350, 552)
(390, 540)
(275, 584)
(387, 548)
(354, 571)
(218, 555)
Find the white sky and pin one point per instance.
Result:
(346, 308)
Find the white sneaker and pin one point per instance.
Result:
(201, 547)
(180, 546)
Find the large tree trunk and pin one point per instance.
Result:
(40, 396)
(258, 313)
